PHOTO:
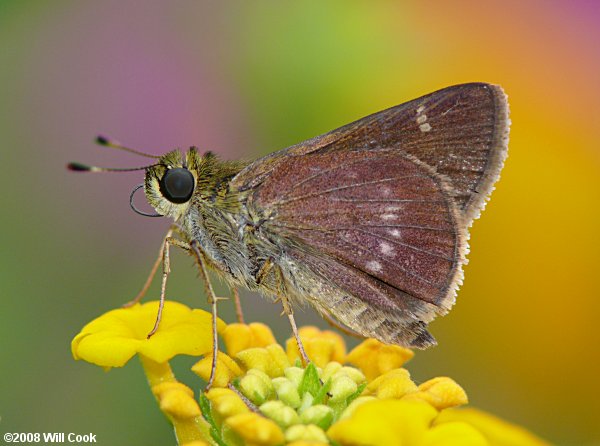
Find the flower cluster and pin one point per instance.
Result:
(263, 396)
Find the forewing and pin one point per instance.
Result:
(379, 224)
(460, 131)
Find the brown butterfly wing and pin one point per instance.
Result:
(379, 225)
(460, 131)
(380, 207)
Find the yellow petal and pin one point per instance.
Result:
(354, 404)
(240, 337)
(226, 403)
(255, 429)
(159, 390)
(309, 432)
(115, 337)
(307, 443)
(497, 432)
(279, 360)
(393, 384)
(227, 369)
(271, 360)
(176, 399)
(441, 393)
(196, 443)
(454, 434)
(375, 358)
(321, 346)
(179, 404)
(384, 423)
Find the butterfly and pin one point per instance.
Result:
(368, 223)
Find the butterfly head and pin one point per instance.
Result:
(170, 184)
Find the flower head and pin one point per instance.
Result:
(375, 358)
(321, 346)
(263, 397)
(376, 403)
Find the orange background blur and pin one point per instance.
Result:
(244, 79)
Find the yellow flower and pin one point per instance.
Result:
(375, 358)
(240, 337)
(385, 423)
(441, 393)
(496, 431)
(308, 432)
(225, 403)
(176, 399)
(402, 422)
(227, 369)
(115, 337)
(321, 346)
(261, 399)
(393, 384)
(313, 406)
(308, 443)
(255, 429)
(271, 360)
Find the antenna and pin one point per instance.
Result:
(103, 141)
(78, 167)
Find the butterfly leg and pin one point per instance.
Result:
(166, 262)
(153, 271)
(212, 300)
(287, 309)
(238, 306)
(267, 268)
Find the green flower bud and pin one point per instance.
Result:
(319, 415)
(341, 388)
(294, 374)
(330, 369)
(287, 392)
(352, 373)
(279, 381)
(283, 415)
(257, 386)
(307, 401)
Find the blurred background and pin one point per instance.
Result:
(244, 79)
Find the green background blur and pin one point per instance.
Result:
(244, 79)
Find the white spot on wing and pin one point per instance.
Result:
(393, 208)
(424, 126)
(389, 217)
(395, 232)
(374, 266)
(386, 248)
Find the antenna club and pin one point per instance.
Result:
(107, 142)
(78, 167)
(102, 140)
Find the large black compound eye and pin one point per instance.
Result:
(177, 185)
